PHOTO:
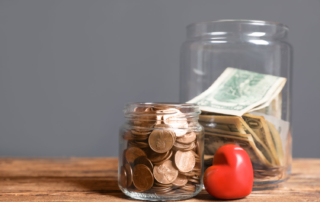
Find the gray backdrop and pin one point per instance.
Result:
(68, 67)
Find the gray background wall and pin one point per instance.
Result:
(68, 67)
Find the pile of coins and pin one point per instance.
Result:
(163, 154)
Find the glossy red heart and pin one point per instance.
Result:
(231, 175)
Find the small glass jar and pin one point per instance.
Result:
(256, 46)
(161, 151)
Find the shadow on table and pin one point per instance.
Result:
(99, 185)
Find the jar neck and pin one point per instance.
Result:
(237, 28)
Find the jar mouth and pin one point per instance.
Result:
(243, 21)
(232, 27)
(161, 108)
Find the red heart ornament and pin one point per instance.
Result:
(231, 175)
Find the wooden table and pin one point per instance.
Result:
(95, 179)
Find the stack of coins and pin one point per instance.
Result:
(163, 154)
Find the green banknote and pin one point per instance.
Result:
(238, 91)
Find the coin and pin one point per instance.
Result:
(134, 152)
(166, 158)
(161, 185)
(193, 180)
(185, 161)
(139, 133)
(142, 177)
(189, 174)
(187, 138)
(123, 181)
(189, 187)
(180, 181)
(185, 147)
(140, 109)
(139, 144)
(129, 174)
(176, 120)
(161, 141)
(156, 157)
(165, 173)
(143, 160)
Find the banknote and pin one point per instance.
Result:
(276, 141)
(283, 127)
(236, 124)
(238, 91)
(259, 126)
(217, 138)
(273, 109)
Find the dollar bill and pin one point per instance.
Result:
(236, 124)
(217, 138)
(272, 108)
(237, 91)
(276, 141)
(283, 127)
(259, 126)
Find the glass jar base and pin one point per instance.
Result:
(160, 197)
(271, 183)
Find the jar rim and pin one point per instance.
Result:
(159, 104)
(244, 21)
(188, 109)
(233, 28)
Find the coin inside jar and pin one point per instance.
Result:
(180, 181)
(134, 152)
(129, 174)
(161, 140)
(142, 177)
(166, 158)
(165, 173)
(184, 160)
(123, 177)
(187, 138)
(185, 147)
(176, 120)
(157, 157)
(144, 160)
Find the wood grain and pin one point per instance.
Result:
(95, 179)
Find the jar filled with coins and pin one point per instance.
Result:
(161, 151)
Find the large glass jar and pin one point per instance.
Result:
(256, 46)
(161, 151)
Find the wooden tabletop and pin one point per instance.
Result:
(95, 179)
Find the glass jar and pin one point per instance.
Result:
(256, 46)
(161, 151)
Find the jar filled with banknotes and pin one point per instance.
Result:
(161, 151)
(239, 72)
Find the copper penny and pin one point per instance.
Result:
(187, 138)
(134, 152)
(180, 181)
(161, 141)
(165, 173)
(185, 147)
(157, 157)
(123, 180)
(140, 109)
(166, 158)
(176, 120)
(161, 185)
(145, 161)
(189, 174)
(129, 174)
(142, 177)
(139, 133)
(185, 161)
(193, 180)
